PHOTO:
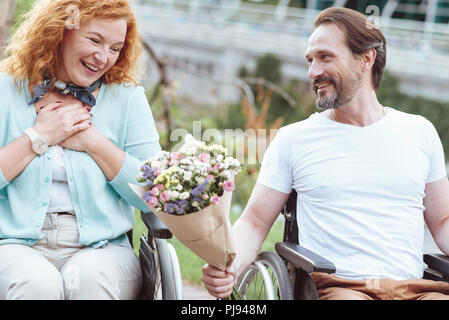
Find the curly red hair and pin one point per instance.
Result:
(34, 50)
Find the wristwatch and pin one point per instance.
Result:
(39, 144)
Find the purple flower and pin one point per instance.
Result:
(150, 184)
(146, 196)
(199, 189)
(148, 172)
(171, 208)
(182, 204)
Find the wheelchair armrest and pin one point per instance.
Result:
(156, 227)
(302, 258)
(438, 262)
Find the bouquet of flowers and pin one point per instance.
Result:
(190, 191)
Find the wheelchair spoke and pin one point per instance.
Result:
(266, 278)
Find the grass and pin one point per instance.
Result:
(190, 264)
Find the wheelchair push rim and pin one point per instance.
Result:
(267, 278)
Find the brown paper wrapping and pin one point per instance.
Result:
(206, 232)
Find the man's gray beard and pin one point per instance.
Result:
(339, 98)
(329, 102)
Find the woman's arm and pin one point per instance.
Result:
(53, 123)
(105, 153)
(15, 157)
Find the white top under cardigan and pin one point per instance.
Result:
(60, 197)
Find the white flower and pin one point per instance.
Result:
(191, 145)
(187, 175)
(226, 174)
(185, 195)
(156, 164)
(199, 180)
(174, 195)
(185, 161)
(179, 187)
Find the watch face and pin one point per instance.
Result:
(40, 147)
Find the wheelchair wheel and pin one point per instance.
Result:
(176, 271)
(166, 288)
(160, 270)
(266, 278)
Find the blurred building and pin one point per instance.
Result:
(205, 42)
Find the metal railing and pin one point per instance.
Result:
(270, 24)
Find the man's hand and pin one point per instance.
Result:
(218, 283)
(249, 231)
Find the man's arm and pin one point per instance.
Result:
(248, 233)
(436, 214)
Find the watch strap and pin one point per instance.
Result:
(32, 134)
(35, 138)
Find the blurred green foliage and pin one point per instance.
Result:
(22, 7)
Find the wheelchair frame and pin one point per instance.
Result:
(300, 262)
(161, 274)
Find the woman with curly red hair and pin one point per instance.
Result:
(74, 127)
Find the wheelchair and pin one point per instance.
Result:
(286, 275)
(161, 274)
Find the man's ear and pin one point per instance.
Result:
(368, 59)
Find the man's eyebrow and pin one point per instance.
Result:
(321, 51)
(101, 37)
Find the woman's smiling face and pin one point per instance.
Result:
(90, 51)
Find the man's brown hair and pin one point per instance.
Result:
(361, 35)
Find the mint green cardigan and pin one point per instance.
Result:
(104, 209)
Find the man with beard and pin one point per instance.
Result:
(367, 177)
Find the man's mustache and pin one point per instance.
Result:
(322, 79)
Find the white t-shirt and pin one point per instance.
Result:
(360, 189)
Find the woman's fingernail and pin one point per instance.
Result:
(90, 123)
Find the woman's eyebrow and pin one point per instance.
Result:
(102, 38)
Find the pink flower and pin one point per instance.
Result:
(210, 177)
(152, 201)
(214, 199)
(158, 171)
(175, 155)
(217, 167)
(205, 197)
(165, 196)
(160, 186)
(204, 157)
(155, 191)
(228, 185)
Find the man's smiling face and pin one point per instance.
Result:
(333, 69)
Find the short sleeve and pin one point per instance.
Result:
(437, 168)
(275, 171)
